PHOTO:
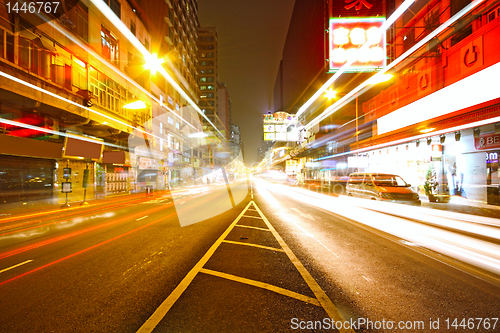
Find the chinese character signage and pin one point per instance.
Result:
(280, 126)
(356, 8)
(346, 38)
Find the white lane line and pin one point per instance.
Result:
(140, 218)
(11, 267)
(367, 279)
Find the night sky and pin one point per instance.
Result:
(251, 38)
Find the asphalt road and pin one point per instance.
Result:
(217, 259)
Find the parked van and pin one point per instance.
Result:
(381, 186)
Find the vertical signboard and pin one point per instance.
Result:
(353, 23)
(348, 35)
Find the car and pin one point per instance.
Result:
(382, 187)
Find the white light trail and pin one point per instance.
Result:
(468, 249)
(111, 16)
(401, 9)
(337, 105)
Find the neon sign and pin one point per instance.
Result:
(347, 35)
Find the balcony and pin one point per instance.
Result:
(168, 21)
(168, 40)
(169, 3)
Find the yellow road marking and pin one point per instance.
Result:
(251, 227)
(253, 217)
(262, 285)
(164, 307)
(254, 245)
(326, 303)
(11, 267)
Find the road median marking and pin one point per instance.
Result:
(325, 301)
(254, 245)
(251, 227)
(164, 307)
(262, 285)
(321, 300)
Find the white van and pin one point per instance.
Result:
(381, 186)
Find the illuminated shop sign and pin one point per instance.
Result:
(280, 126)
(487, 141)
(492, 157)
(360, 8)
(348, 35)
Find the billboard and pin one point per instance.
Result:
(346, 38)
(280, 126)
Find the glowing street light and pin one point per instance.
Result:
(330, 93)
(153, 63)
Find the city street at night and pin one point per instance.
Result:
(249, 166)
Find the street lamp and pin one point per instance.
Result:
(153, 63)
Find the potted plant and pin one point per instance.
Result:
(431, 184)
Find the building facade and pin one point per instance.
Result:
(434, 122)
(87, 108)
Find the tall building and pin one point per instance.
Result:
(173, 26)
(85, 104)
(432, 122)
(208, 76)
(224, 107)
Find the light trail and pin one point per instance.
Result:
(349, 96)
(399, 11)
(471, 250)
(84, 231)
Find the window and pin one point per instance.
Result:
(25, 49)
(79, 16)
(203, 87)
(2, 41)
(79, 74)
(132, 27)
(203, 79)
(210, 87)
(109, 46)
(210, 55)
(170, 120)
(115, 6)
(210, 79)
(177, 125)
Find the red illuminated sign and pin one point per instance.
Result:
(356, 8)
(487, 141)
(348, 35)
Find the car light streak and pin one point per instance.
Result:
(397, 13)
(473, 251)
(349, 96)
(96, 245)
(76, 233)
(478, 225)
(54, 211)
(64, 217)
